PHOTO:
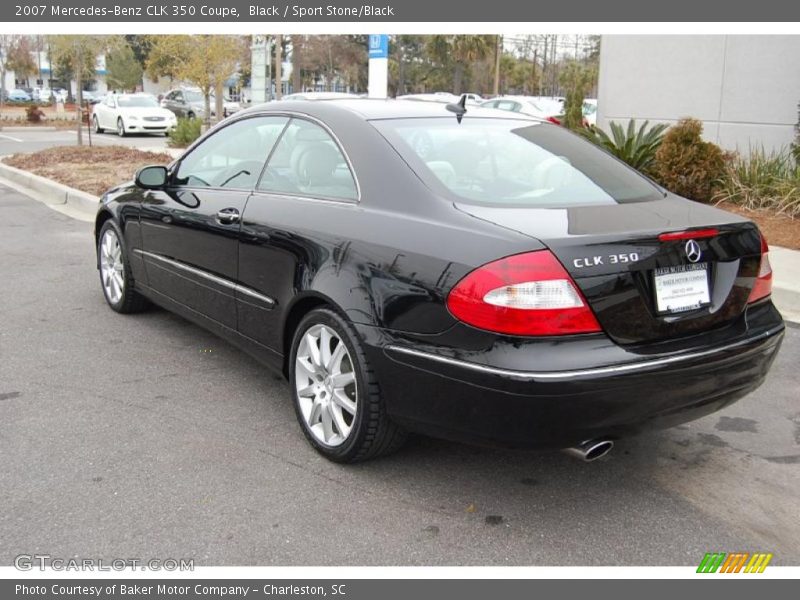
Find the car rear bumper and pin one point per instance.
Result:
(439, 392)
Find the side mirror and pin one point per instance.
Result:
(152, 178)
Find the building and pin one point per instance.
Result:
(745, 88)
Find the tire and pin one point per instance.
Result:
(96, 124)
(190, 115)
(116, 279)
(120, 128)
(371, 433)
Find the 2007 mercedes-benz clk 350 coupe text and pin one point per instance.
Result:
(484, 277)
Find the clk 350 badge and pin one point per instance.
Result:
(611, 259)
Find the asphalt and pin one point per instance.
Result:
(144, 436)
(21, 139)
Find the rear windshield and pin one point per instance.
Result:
(513, 162)
(137, 101)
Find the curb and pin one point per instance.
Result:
(49, 192)
(20, 129)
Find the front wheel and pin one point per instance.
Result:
(115, 272)
(336, 395)
(120, 128)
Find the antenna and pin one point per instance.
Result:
(460, 107)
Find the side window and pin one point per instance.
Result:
(308, 162)
(110, 101)
(178, 97)
(233, 157)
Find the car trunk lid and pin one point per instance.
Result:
(651, 270)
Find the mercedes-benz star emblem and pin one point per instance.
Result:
(693, 252)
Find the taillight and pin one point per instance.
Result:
(763, 285)
(524, 294)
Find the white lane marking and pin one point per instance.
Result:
(8, 137)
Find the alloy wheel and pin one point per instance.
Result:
(112, 267)
(326, 385)
(120, 128)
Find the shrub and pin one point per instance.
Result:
(34, 114)
(185, 132)
(762, 180)
(687, 165)
(635, 147)
(577, 81)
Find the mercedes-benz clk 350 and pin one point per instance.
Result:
(471, 275)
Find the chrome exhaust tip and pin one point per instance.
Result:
(590, 450)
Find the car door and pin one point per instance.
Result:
(108, 117)
(174, 102)
(190, 229)
(308, 184)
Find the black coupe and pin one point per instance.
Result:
(478, 275)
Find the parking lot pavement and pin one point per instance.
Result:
(144, 436)
(18, 140)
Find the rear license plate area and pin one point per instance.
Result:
(681, 288)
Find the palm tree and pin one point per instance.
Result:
(460, 51)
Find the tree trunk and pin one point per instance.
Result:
(297, 77)
(498, 51)
(79, 84)
(401, 74)
(207, 105)
(2, 87)
(219, 100)
(458, 78)
(278, 67)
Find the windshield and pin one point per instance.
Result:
(513, 162)
(192, 96)
(137, 101)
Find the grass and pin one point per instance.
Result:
(762, 180)
(90, 169)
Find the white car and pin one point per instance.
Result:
(228, 106)
(319, 96)
(132, 113)
(590, 111)
(520, 104)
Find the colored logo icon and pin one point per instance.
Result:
(736, 562)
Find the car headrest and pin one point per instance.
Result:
(314, 165)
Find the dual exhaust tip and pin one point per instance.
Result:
(590, 450)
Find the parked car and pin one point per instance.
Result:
(590, 111)
(319, 96)
(131, 113)
(43, 95)
(441, 97)
(186, 103)
(513, 284)
(229, 107)
(517, 104)
(60, 94)
(18, 95)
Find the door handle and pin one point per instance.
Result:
(228, 215)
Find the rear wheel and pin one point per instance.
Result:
(96, 125)
(115, 272)
(190, 115)
(336, 394)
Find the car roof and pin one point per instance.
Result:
(373, 108)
